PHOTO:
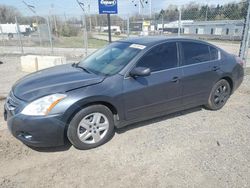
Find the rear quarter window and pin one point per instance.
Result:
(214, 53)
(194, 53)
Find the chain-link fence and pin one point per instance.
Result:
(226, 25)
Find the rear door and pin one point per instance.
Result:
(159, 92)
(199, 72)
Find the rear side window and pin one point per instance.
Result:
(195, 53)
(214, 53)
(161, 57)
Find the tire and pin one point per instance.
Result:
(87, 124)
(219, 95)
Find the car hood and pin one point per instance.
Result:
(58, 79)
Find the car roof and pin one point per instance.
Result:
(153, 40)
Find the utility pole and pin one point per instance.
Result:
(162, 20)
(162, 23)
(90, 21)
(50, 37)
(54, 20)
(85, 34)
(19, 35)
(139, 7)
(150, 8)
(1, 29)
(32, 9)
(179, 23)
(128, 27)
(96, 22)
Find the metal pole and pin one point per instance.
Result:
(90, 23)
(96, 22)
(179, 23)
(39, 32)
(85, 35)
(54, 20)
(109, 28)
(247, 47)
(162, 24)
(248, 33)
(245, 34)
(90, 20)
(139, 6)
(50, 37)
(19, 36)
(1, 29)
(206, 13)
(128, 27)
(150, 8)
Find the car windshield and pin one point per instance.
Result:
(110, 59)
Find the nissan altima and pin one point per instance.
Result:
(125, 82)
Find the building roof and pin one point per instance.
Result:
(214, 22)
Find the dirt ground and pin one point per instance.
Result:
(193, 148)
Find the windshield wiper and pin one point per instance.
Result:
(76, 65)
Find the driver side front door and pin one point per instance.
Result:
(159, 92)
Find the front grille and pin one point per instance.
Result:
(11, 102)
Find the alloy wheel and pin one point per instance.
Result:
(93, 128)
(221, 95)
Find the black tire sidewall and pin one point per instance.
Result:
(74, 123)
(211, 104)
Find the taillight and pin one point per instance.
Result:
(240, 61)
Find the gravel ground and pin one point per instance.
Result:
(193, 148)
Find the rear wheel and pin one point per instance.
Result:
(219, 95)
(91, 127)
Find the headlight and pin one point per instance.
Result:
(43, 106)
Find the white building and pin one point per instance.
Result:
(12, 28)
(105, 29)
(221, 28)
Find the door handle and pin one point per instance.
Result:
(175, 79)
(215, 68)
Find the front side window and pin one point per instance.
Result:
(110, 59)
(195, 53)
(161, 57)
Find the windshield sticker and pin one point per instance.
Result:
(137, 46)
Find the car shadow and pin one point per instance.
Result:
(157, 119)
(68, 145)
(62, 148)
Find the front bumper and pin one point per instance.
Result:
(37, 131)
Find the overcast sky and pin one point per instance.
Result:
(70, 7)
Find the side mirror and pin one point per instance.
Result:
(140, 71)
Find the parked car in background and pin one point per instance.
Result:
(125, 82)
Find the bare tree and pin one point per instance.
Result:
(8, 13)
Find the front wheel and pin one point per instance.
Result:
(91, 127)
(219, 95)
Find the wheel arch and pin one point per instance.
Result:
(79, 106)
(230, 81)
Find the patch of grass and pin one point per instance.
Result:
(77, 42)
(117, 36)
(96, 43)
